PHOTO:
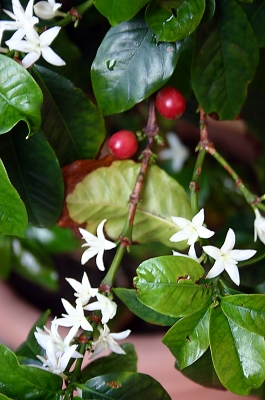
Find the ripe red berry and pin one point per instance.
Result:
(170, 103)
(123, 144)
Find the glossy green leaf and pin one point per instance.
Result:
(34, 265)
(130, 65)
(224, 62)
(123, 385)
(173, 20)
(5, 256)
(72, 124)
(35, 173)
(117, 11)
(238, 355)
(188, 339)
(13, 213)
(256, 15)
(167, 285)
(129, 298)
(210, 8)
(21, 97)
(246, 310)
(105, 192)
(23, 382)
(114, 363)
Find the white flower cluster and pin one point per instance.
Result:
(226, 258)
(26, 38)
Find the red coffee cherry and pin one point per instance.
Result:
(123, 144)
(170, 103)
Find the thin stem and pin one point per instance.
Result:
(75, 13)
(196, 182)
(75, 375)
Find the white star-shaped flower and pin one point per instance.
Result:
(36, 45)
(74, 318)
(226, 258)
(176, 152)
(20, 17)
(259, 226)
(106, 341)
(48, 9)
(191, 230)
(105, 305)
(84, 291)
(97, 245)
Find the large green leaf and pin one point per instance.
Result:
(246, 310)
(72, 124)
(225, 60)
(256, 15)
(105, 192)
(20, 97)
(123, 385)
(173, 20)
(117, 11)
(35, 173)
(167, 285)
(23, 382)
(129, 298)
(238, 355)
(13, 214)
(114, 363)
(188, 339)
(130, 65)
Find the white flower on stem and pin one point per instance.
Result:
(60, 345)
(74, 318)
(226, 258)
(36, 45)
(57, 364)
(259, 226)
(48, 9)
(191, 230)
(176, 152)
(97, 245)
(84, 291)
(105, 305)
(21, 18)
(106, 341)
(191, 254)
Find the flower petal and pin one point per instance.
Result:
(179, 236)
(181, 222)
(30, 59)
(241, 255)
(51, 57)
(47, 37)
(217, 269)
(229, 242)
(212, 251)
(233, 272)
(198, 219)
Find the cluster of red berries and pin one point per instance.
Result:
(169, 102)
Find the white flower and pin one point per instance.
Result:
(36, 46)
(21, 18)
(226, 258)
(48, 9)
(105, 305)
(176, 152)
(106, 341)
(57, 364)
(97, 245)
(191, 230)
(84, 291)
(259, 226)
(191, 254)
(74, 318)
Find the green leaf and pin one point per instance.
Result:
(129, 298)
(23, 382)
(173, 20)
(34, 265)
(117, 11)
(130, 65)
(35, 173)
(114, 363)
(114, 185)
(256, 15)
(224, 62)
(21, 97)
(188, 339)
(72, 124)
(238, 355)
(125, 385)
(167, 285)
(13, 213)
(2, 397)
(246, 310)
